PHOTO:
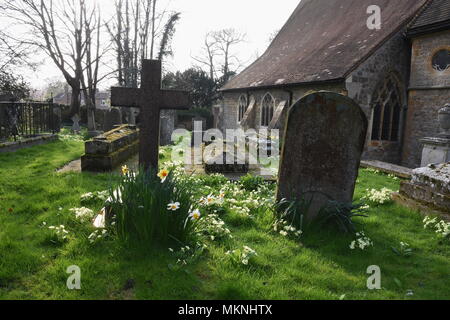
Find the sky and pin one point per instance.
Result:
(258, 19)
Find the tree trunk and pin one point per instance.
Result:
(91, 117)
(75, 103)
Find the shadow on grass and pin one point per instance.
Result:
(387, 226)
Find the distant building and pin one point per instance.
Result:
(102, 99)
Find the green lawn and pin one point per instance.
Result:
(318, 266)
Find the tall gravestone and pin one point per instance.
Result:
(112, 118)
(167, 125)
(323, 142)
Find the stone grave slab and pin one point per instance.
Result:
(428, 191)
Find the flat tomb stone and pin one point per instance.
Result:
(399, 171)
(113, 140)
(429, 187)
(436, 177)
(106, 152)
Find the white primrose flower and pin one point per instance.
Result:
(83, 213)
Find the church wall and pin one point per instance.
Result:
(230, 110)
(231, 100)
(429, 91)
(392, 57)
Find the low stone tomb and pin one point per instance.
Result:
(428, 190)
(111, 149)
(226, 162)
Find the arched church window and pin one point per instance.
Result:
(386, 111)
(243, 105)
(267, 109)
(441, 60)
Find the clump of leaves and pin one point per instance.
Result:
(140, 204)
(293, 211)
(250, 182)
(404, 250)
(215, 181)
(335, 214)
(340, 215)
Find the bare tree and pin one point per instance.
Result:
(226, 40)
(135, 31)
(13, 54)
(218, 53)
(56, 27)
(209, 55)
(91, 63)
(273, 35)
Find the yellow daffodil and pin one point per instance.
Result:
(163, 175)
(210, 199)
(173, 206)
(125, 170)
(195, 215)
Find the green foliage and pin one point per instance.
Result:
(215, 181)
(335, 214)
(250, 182)
(404, 250)
(13, 86)
(319, 265)
(341, 215)
(165, 49)
(140, 205)
(202, 88)
(293, 211)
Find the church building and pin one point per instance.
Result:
(398, 73)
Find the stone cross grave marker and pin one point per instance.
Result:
(76, 123)
(323, 142)
(151, 99)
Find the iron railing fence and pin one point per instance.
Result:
(28, 119)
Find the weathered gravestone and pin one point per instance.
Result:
(217, 113)
(167, 127)
(151, 99)
(113, 118)
(323, 142)
(108, 151)
(76, 123)
(428, 191)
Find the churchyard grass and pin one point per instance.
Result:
(316, 265)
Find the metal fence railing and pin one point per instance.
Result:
(28, 119)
